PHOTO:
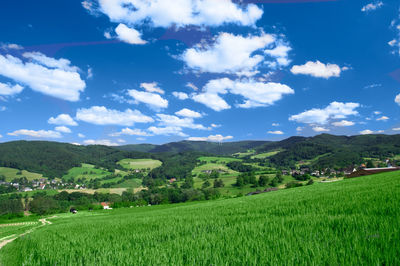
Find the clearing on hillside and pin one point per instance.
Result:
(352, 222)
(87, 171)
(133, 164)
(11, 173)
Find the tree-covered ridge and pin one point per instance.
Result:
(53, 159)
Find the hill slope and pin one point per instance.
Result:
(352, 222)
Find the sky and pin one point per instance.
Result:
(118, 72)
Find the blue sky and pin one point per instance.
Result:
(117, 72)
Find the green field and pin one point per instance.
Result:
(132, 164)
(212, 159)
(352, 222)
(86, 171)
(11, 173)
(265, 155)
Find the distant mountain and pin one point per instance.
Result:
(226, 148)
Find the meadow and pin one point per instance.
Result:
(11, 173)
(354, 221)
(132, 164)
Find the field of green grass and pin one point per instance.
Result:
(212, 159)
(132, 164)
(351, 222)
(11, 173)
(86, 171)
(265, 155)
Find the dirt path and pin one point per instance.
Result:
(11, 238)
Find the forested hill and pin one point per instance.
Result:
(53, 159)
(226, 148)
(333, 151)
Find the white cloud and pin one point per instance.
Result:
(275, 124)
(180, 95)
(298, 129)
(44, 74)
(366, 132)
(130, 132)
(320, 129)
(8, 89)
(277, 132)
(317, 69)
(215, 125)
(255, 94)
(382, 118)
(100, 115)
(335, 110)
(105, 142)
(232, 54)
(174, 121)
(128, 35)
(396, 129)
(167, 13)
(36, 134)
(81, 135)
(62, 120)
(188, 113)
(280, 53)
(1, 136)
(192, 86)
(89, 73)
(152, 87)
(44, 60)
(167, 131)
(377, 112)
(372, 6)
(395, 43)
(397, 99)
(343, 123)
(10, 46)
(212, 138)
(3, 108)
(153, 100)
(63, 129)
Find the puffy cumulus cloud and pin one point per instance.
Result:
(275, 124)
(188, 113)
(63, 129)
(397, 99)
(80, 135)
(167, 13)
(232, 54)
(396, 129)
(212, 138)
(318, 69)
(174, 121)
(62, 120)
(8, 89)
(128, 35)
(372, 6)
(100, 115)
(105, 142)
(382, 118)
(276, 132)
(130, 132)
(152, 87)
(153, 100)
(180, 95)
(366, 132)
(168, 130)
(395, 43)
(255, 94)
(343, 123)
(280, 53)
(320, 129)
(335, 110)
(36, 133)
(54, 77)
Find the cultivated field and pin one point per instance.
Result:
(133, 164)
(351, 222)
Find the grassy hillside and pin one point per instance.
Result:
(351, 222)
(132, 164)
(11, 173)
